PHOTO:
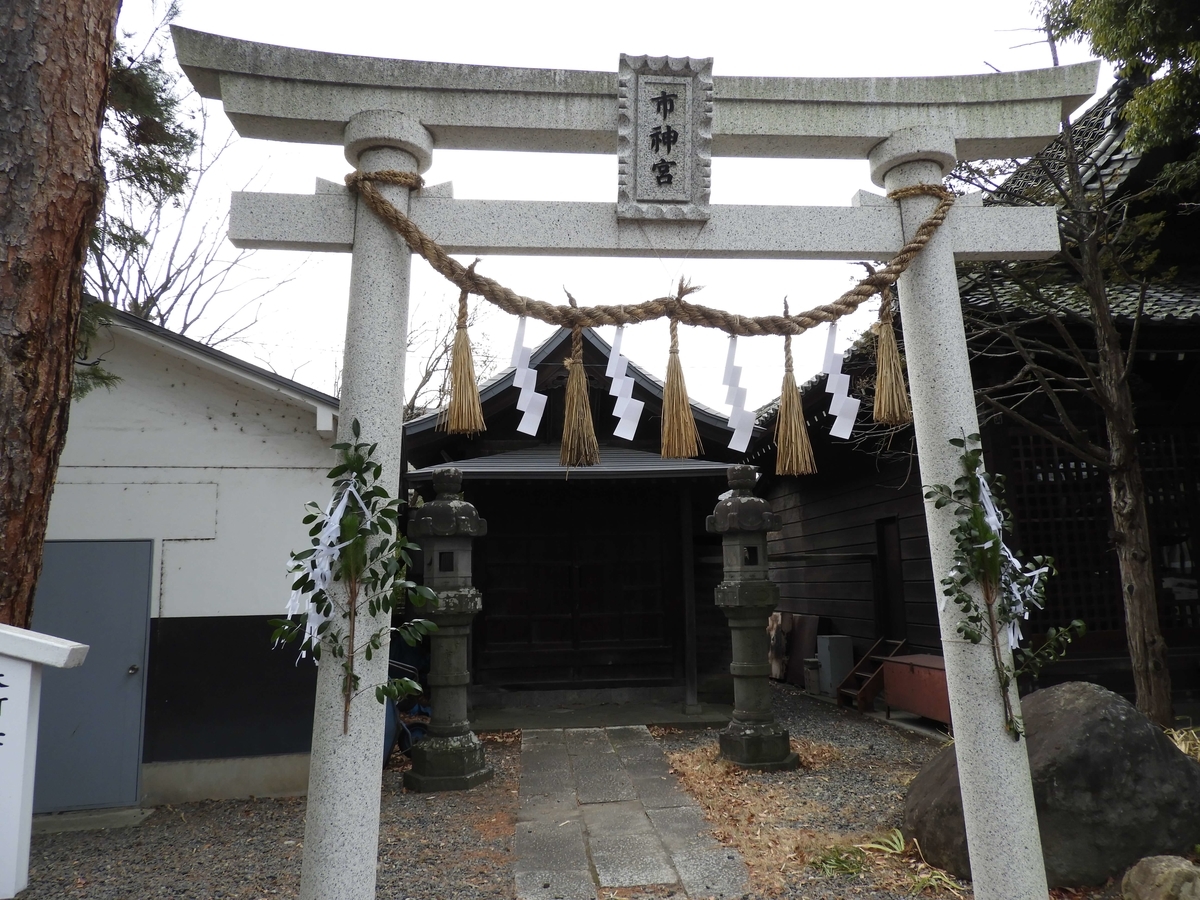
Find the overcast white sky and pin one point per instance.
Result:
(300, 327)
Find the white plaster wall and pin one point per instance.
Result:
(170, 412)
(215, 469)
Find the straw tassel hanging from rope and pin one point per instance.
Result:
(892, 406)
(794, 454)
(579, 446)
(464, 414)
(680, 439)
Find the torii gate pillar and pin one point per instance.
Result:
(341, 838)
(1003, 841)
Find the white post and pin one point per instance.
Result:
(22, 655)
(341, 831)
(997, 793)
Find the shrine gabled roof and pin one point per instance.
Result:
(503, 380)
(542, 462)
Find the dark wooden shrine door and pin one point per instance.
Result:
(580, 586)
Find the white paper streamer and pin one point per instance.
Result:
(530, 402)
(627, 410)
(1020, 597)
(842, 406)
(741, 420)
(319, 566)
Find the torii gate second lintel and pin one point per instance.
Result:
(391, 114)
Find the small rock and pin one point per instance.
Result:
(1162, 878)
(1110, 789)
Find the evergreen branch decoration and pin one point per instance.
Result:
(356, 540)
(1009, 586)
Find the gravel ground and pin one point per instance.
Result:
(431, 847)
(458, 846)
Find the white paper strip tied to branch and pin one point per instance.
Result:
(741, 420)
(319, 566)
(842, 407)
(627, 410)
(1020, 596)
(530, 402)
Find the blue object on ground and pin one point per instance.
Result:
(391, 724)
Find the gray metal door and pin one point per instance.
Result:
(90, 735)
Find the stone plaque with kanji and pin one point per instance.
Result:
(664, 131)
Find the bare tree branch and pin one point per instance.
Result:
(167, 260)
(431, 340)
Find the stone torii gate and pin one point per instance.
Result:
(391, 114)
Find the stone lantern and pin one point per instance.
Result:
(753, 739)
(450, 758)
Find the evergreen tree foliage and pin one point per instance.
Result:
(1155, 40)
(146, 150)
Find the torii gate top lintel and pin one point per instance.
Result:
(307, 96)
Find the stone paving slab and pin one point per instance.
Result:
(583, 741)
(647, 766)
(682, 829)
(539, 736)
(551, 754)
(543, 760)
(600, 776)
(555, 886)
(661, 792)
(631, 738)
(712, 873)
(629, 860)
(547, 783)
(552, 847)
(604, 786)
(626, 817)
(600, 809)
(556, 806)
(635, 743)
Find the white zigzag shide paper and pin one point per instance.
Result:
(843, 407)
(531, 403)
(741, 420)
(627, 410)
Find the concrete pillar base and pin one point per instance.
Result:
(764, 748)
(447, 764)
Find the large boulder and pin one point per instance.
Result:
(1162, 878)
(1110, 788)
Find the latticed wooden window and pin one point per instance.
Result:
(1171, 465)
(1061, 507)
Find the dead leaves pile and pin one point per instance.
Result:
(764, 822)
(758, 819)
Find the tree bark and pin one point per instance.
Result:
(1131, 528)
(1127, 489)
(54, 63)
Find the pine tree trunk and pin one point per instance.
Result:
(1131, 528)
(54, 60)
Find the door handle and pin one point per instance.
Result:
(134, 669)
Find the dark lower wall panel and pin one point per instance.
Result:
(925, 637)
(216, 688)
